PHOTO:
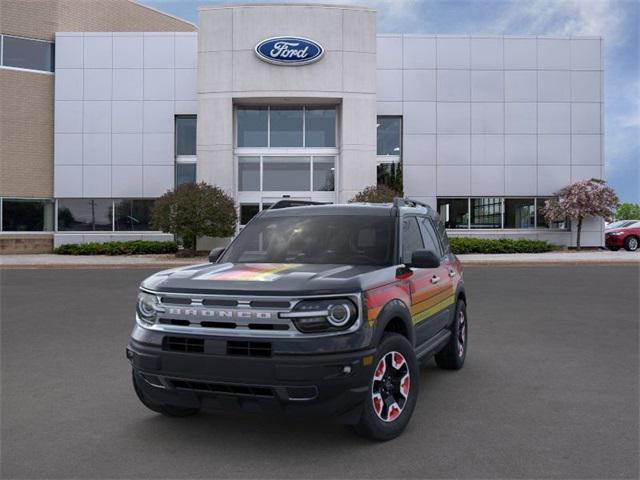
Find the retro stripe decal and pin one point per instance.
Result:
(419, 317)
(256, 272)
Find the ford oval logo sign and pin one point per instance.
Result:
(289, 51)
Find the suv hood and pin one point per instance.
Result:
(263, 279)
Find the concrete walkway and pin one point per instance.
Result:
(169, 261)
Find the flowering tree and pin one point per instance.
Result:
(586, 198)
(195, 210)
(376, 194)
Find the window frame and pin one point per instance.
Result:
(51, 201)
(23, 69)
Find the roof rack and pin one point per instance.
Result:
(409, 202)
(286, 203)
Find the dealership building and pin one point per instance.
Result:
(104, 111)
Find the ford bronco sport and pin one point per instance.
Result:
(323, 310)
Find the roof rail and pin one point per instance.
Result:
(286, 203)
(408, 202)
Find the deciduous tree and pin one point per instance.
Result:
(376, 194)
(586, 198)
(195, 210)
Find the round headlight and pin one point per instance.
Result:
(339, 314)
(146, 307)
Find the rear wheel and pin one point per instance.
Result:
(631, 243)
(452, 356)
(393, 390)
(165, 409)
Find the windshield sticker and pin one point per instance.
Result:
(251, 272)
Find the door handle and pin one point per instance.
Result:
(435, 279)
(452, 273)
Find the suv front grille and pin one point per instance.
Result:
(183, 344)
(250, 390)
(248, 349)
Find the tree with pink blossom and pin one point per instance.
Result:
(586, 198)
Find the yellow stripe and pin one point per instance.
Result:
(430, 302)
(433, 310)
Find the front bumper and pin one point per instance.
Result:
(614, 240)
(330, 385)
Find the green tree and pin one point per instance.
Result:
(195, 210)
(376, 194)
(628, 211)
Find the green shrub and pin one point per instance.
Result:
(134, 247)
(461, 245)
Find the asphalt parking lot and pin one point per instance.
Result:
(550, 390)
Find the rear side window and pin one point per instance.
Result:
(430, 237)
(411, 238)
(442, 234)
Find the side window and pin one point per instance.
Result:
(411, 238)
(442, 233)
(431, 241)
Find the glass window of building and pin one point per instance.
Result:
(390, 174)
(26, 53)
(324, 174)
(249, 174)
(542, 222)
(454, 212)
(133, 215)
(286, 127)
(186, 126)
(85, 215)
(248, 211)
(519, 213)
(185, 173)
(320, 127)
(286, 174)
(252, 128)
(389, 132)
(27, 215)
(486, 212)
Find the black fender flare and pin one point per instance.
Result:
(394, 309)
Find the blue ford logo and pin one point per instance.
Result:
(289, 50)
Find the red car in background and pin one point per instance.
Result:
(627, 237)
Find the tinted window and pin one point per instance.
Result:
(247, 212)
(542, 221)
(454, 212)
(519, 213)
(486, 212)
(389, 133)
(286, 173)
(186, 135)
(248, 174)
(324, 174)
(286, 127)
(411, 238)
(85, 214)
(442, 234)
(317, 239)
(430, 237)
(134, 215)
(25, 53)
(27, 215)
(252, 127)
(320, 127)
(185, 173)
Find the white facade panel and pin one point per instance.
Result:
(98, 51)
(419, 52)
(453, 52)
(487, 53)
(96, 149)
(127, 51)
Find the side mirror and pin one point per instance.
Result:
(215, 253)
(424, 259)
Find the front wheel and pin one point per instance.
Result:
(631, 244)
(452, 356)
(393, 390)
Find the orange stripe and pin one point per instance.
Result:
(428, 292)
(422, 306)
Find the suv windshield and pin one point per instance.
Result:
(325, 239)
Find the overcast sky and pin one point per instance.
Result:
(616, 20)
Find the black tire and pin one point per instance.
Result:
(631, 243)
(371, 424)
(452, 356)
(164, 409)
